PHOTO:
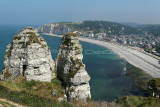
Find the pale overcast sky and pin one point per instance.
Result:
(47, 11)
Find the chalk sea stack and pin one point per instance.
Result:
(28, 55)
(71, 70)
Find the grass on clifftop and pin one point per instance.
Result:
(71, 34)
(33, 93)
(139, 76)
(39, 94)
(134, 101)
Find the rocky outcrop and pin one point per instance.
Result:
(54, 28)
(71, 70)
(154, 87)
(28, 55)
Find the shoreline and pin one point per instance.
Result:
(147, 63)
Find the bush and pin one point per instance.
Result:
(154, 83)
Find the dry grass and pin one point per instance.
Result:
(42, 89)
(16, 37)
(7, 74)
(95, 104)
(8, 52)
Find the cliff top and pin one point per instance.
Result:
(28, 29)
(71, 34)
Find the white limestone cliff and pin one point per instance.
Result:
(28, 55)
(71, 70)
(54, 28)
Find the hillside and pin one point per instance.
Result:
(40, 94)
(88, 26)
(131, 24)
(152, 29)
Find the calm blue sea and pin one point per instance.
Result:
(108, 81)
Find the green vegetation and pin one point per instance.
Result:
(71, 34)
(158, 48)
(72, 73)
(6, 104)
(153, 29)
(33, 38)
(33, 93)
(102, 26)
(66, 42)
(78, 52)
(16, 37)
(135, 101)
(88, 99)
(30, 28)
(76, 61)
(71, 89)
(76, 64)
(7, 74)
(57, 82)
(154, 83)
(21, 42)
(8, 52)
(39, 94)
(147, 49)
(1, 73)
(139, 76)
(30, 99)
(76, 48)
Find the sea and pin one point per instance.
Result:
(107, 70)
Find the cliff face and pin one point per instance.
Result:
(28, 55)
(71, 70)
(55, 28)
(85, 27)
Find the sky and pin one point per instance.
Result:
(49, 11)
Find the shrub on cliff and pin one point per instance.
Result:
(154, 83)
